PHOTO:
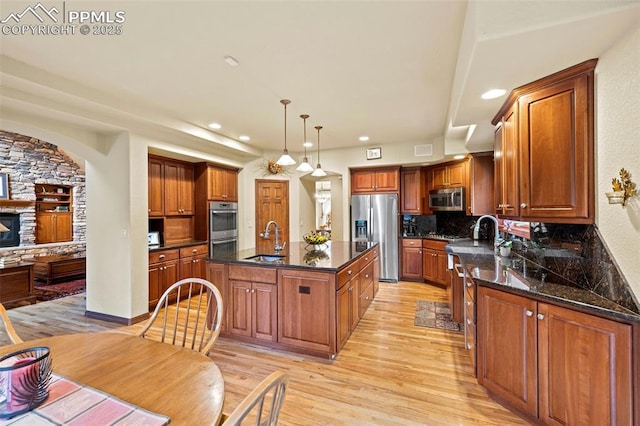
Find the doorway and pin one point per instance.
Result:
(272, 203)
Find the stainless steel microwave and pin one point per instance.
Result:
(447, 199)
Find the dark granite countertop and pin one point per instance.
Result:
(518, 275)
(176, 246)
(332, 256)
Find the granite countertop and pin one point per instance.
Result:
(519, 275)
(332, 256)
(176, 246)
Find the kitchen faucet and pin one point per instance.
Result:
(496, 239)
(277, 247)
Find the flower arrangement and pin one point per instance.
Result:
(623, 188)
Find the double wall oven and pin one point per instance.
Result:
(223, 228)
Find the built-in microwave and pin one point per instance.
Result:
(447, 199)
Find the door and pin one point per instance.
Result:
(272, 203)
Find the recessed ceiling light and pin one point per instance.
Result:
(307, 144)
(458, 157)
(215, 126)
(363, 138)
(244, 138)
(231, 61)
(493, 93)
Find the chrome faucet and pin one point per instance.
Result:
(277, 247)
(496, 239)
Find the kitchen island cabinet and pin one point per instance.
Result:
(313, 301)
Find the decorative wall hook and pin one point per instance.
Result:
(623, 188)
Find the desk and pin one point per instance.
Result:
(177, 382)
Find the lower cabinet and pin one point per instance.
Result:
(411, 264)
(347, 309)
(53, 227)
(434, 262)
(163, 271)
(217, 274)
(252, 302)
(16, 283)
(559, 365)
(193, 263)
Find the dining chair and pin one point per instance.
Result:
(188, 314)
(262, 404)
(11, 332)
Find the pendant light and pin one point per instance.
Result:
(318, 172)
(285, 159)
(305, 167)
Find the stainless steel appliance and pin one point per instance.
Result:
(223, 228)
(375, 218)
(447, 199)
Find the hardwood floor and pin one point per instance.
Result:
(390, 372)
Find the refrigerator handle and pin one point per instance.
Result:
(370, 227)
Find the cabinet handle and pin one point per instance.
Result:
(540, 316)
(194, 251)
(161, 256)
(523, 205)
(411, 243)
(469, 321)
(149, 210)
(529, 313)
(419, 251)
(366, 258)
(469, 284)
(366, 275)
(253, 290)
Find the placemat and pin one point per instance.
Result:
(71, 403)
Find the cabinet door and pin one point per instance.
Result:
(429, 264)
(53, 227)
(439, 177)
(585, 364)
(412, 184)
(412, 262)
(186, 188)
(223, 184)
(441, 262)
(362, 181)
(497, 170)
(387, 181)
(178, 189)
(217, 275)
(155, 189)
(354, 312)
(155, 276)
(456, 174)
(169, 275)
(480, 198)
(264, 311)
(557, 159)
(240, 307)
(63, 226)
(510, 157)
(343, 314)
(507, 360)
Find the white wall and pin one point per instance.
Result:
(617, 146)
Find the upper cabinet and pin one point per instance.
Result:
(367, 181)
(170, 188)
(156, 187)
(223, 184)
(412, 182)
(479, 194)
(213, 182)
(448, 175)
(547, 160)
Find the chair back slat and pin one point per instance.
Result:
(189, 314)
(273, 388)
(8, 327)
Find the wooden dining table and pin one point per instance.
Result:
(177, 382)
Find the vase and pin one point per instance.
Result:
(615, 197)
(505, 251)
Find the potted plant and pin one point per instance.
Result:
(505, 248)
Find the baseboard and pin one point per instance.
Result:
(115, 319)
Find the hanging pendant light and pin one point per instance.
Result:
(318, 172)
(305, 167)
(285, 159)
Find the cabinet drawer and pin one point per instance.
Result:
(194, 250)
(366, 296)
(366, 276)
(435, 245)
(367, 258)
(411, 243)
(253, 274)
(164, 255)
(346, 274)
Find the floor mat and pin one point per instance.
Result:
(46, 292)
(435, 315)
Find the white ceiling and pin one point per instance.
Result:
(399, 72)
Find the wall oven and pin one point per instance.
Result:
(447, 199)
(223, 228)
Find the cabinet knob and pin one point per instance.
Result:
(366, 275)
(253, 290)
(469, 284)
(161, 256)
(419, 251)
(469, 346)
(529, 313)
(468, 303)
(349, 272)
(523, 205)
(411, 243)
(540, 316)
(366, 298)
(469, 321)
(194, 251)
(350, 288)
(149, 210)
(246, 290)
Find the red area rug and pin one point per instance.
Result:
(46, 292)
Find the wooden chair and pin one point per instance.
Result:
(193, 321)
(270, 393)
(11, 332)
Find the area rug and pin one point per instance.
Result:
(46, 292)
(435, 315)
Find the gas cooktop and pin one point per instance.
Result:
(443, 237)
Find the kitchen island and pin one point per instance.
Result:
(304, 299)
(545, 345)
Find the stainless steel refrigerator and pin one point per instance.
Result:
(375, 218)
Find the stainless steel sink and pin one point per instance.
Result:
(268, 258)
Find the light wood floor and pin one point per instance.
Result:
(389, 373)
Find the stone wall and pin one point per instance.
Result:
(29, 161)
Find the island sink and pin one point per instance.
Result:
(270, 258)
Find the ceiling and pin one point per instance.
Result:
(398, 72)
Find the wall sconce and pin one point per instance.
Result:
(623, 189)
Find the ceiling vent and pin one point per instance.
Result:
(423, 150)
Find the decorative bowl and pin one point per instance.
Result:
(315, 239)
(24, 380)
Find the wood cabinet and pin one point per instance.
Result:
(193, 262)
(448, 175)
(434, 262)
(506, 167)
(367, 181)
(554, 363)
(480, 184)
(412, 186)
(347, 309)
(178, 189)
(549, 124)
(218, 275)
(223, 184)
(155, 188)
(411, 257)
(213, 182)
(54, 217)
(253, 300)
(16, 283)
(163, 272)
(456, 291)
(306, 310)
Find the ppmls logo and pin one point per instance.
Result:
(60, 20)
